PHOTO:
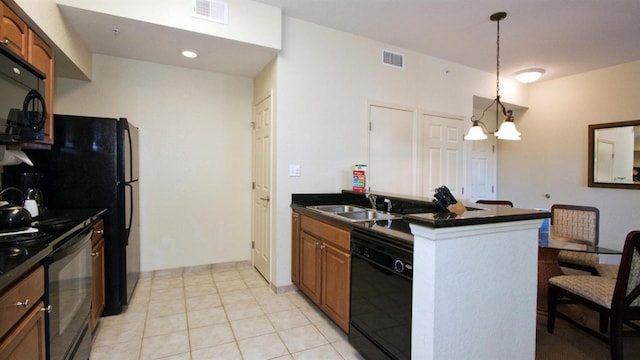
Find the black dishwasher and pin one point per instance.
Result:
(381, 289)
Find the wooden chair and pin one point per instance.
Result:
(616, 299)
(580, 224)
(495, 202)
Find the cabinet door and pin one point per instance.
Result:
(97, 290)
(295, 248)
(13, 31)
(27, 340)
(336, 266)
(41, 56)
(310, 266)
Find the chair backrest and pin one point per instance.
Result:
(495, 202)
(579, 223)
(627, 291)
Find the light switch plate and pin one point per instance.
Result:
(294, 170)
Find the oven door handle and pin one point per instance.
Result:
(72, 245)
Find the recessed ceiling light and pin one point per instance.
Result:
(189, 54)
(529, 75)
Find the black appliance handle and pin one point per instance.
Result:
(128, 228)
(127, 182)
(33, 97)
(72, 245)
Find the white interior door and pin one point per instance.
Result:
(604, 161)
(441, 153)
(392, 154)
(261, 209)
(482, 174)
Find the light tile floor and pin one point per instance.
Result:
(226, 312)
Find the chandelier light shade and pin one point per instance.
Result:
(507, 131)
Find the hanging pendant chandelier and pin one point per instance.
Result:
(507, 129)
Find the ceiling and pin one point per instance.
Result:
(564, 37)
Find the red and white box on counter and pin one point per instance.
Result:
(359, 178)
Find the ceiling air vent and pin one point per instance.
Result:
(212, 10)
(393, 59)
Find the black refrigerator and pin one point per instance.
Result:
(94, 163)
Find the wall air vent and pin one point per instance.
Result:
(211, 10)
(393, 59)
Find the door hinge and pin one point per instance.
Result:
(370, 126)
(493, 148)
(253, 244)
(493, 189)
(253, 125)
(463, 190)
(253, 185)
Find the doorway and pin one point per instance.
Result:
(261, 201)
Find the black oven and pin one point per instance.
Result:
(381, 289)
(22, 106)
(68, 292)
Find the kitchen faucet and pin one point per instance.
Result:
(388, 202)
(372, 200)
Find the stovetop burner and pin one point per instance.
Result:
(24, 238)
(55, 223)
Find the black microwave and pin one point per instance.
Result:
(23, 111)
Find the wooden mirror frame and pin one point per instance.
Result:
(592, 149)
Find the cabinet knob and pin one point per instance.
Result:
(100, 232)
(322, 247)
(46, 309)
(24, 303)
(5, 42)
(95, 253)
(317, 243)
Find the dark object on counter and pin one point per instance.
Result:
(14, 218)
(31, 183)
(94, 164)
(443, 198)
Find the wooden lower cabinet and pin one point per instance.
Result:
(336, 270)
(324, 267)
(26, 341)
(22, 319)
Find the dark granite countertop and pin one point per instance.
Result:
(420, 211)
(477, 215)
(16, 260)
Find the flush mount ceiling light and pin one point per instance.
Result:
(529, 75)
(189, 54)
(508, 129)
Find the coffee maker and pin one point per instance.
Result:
(31, 184)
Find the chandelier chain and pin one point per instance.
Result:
(498, 62)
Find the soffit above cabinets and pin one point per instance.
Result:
(159, 39)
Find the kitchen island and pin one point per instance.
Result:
(477, 288)
(474, 275)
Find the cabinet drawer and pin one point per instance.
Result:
(98, 232)
(29, 290)
(337, 236)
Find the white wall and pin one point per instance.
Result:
(195, 154)
(326, 79)
(552, 155)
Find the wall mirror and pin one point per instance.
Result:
(614, 155)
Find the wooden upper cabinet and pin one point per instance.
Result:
(13, 31)
(40, 55)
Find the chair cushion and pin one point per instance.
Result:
(579, 258)
(597, 289)
(608, 270)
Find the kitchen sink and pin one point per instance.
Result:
(368, 215)
(337, 208)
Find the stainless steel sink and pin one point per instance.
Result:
(337, 208)
(369, 215)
